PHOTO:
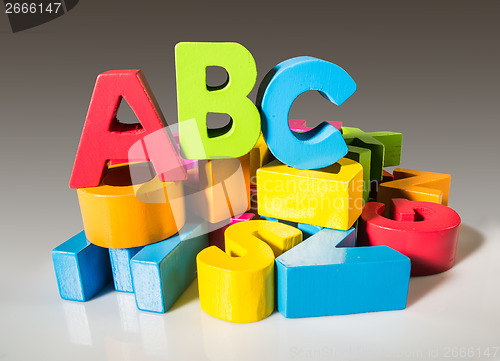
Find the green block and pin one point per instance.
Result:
(393, 143)
(362, 156)
(385, 148)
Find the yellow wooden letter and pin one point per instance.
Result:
(330, 197)
(238, 286)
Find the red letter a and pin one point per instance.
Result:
(104, 138)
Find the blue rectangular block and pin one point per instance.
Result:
(307, 229)
(82, 269)
(319, 278)
(162, 271)
(120, 265)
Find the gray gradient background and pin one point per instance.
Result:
(428, 69)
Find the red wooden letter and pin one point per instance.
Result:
(104, 138)
(425, 232)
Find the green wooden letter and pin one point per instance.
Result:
(195, 100)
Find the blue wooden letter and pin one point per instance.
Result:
(82, 268)
(321, 146)
(319, 278)
(162, 271)
(120, 264)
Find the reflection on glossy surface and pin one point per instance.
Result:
(129, 315)
(122, 351)
(77, 323)
(227, 341)
(153, 334)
